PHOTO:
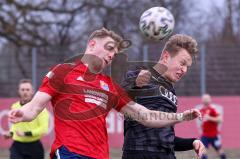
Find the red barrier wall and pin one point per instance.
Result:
(230, 128)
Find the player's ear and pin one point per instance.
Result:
(91, 43)
(165, 56)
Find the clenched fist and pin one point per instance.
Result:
(143, 78)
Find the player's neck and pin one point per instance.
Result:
(160, 68)
(94, 63)
(207, 105)
(23, 102)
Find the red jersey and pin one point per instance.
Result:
(209, 128)
(81, 102)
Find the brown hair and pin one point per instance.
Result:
(25, 81)
(103, 32)
(181, 41)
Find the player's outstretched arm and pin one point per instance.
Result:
(30, 110)
(217, 119)
(156, 119)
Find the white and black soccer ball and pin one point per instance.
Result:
(156, 23)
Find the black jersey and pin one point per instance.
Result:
(158, 95)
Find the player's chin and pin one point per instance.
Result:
(27, 98)
(175, 79)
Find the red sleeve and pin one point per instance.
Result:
(214, 112)
(45, 86)
(123, 97)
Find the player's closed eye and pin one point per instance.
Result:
(182, 63)
(109, 48)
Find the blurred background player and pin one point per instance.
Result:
(209, 126)
(26, 135)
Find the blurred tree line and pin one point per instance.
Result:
(62, 26)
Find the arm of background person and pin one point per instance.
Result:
(43, 120)
(217, 119)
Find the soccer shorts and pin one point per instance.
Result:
(214, 141)
(64, 153)
(147, 155)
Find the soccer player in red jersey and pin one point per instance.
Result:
(211, 120)
(82, 96)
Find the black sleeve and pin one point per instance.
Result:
(129, 81)
(183, 144)
(130, 78)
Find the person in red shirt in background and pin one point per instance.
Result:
(210, 126)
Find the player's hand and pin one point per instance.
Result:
(199, 148)
(143, 78)
(15, 115)
(20, 133)
(7, 135)
(191, 114)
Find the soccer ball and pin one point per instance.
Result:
(156, 23)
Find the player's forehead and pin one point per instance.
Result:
(25, 86)
(109, 40)
(206, 97)
(183, 55)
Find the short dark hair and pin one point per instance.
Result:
(25, 80)
(103, 32)
(181, 41)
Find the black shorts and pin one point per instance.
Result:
(147, 155)
(30, 150)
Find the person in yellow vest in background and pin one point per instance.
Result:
(26, 135)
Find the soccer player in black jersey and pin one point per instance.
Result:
(154, 88)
